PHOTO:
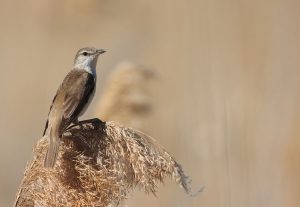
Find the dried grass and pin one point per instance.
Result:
(98, 164)
(127, 96)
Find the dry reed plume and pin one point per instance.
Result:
(98, 164)
(126, 97)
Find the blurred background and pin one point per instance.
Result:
(224, 100)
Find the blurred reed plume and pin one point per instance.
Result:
(126, 97)
(98, 164)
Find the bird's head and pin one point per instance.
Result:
(86, 58)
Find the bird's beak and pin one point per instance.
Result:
(100, 51)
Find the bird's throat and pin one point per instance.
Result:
(90, 70)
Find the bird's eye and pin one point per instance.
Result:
(85, 53)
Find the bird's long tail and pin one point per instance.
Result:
(52, 149)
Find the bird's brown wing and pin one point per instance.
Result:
(69, 101)
(74, 101)
(77, 96)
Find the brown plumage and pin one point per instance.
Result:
(66, 107)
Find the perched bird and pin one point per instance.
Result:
(71, 99)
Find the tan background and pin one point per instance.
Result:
(227, 99)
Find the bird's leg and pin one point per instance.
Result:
(73, 123)
(95, 122)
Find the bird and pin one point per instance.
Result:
(71, 100)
